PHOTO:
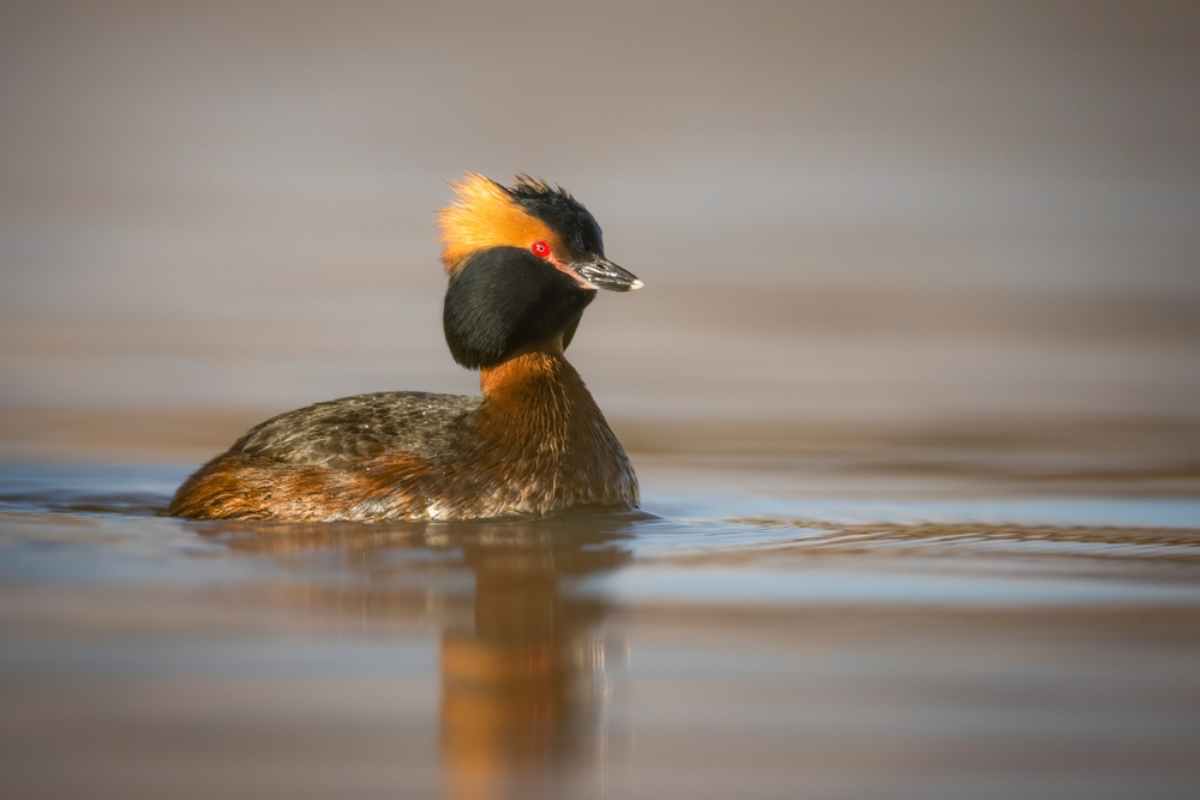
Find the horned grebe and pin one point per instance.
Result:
(524, 261)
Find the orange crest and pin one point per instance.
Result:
(485, 215)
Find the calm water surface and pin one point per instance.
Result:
(720, 643)
(912, 391)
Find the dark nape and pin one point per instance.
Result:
(503, 299)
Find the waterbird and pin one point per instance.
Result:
(523, 262)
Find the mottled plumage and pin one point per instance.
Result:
(524, 262)
(535, 444)
(341, 433)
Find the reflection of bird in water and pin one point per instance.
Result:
(521, 685)
(524, 262)
(523, 671)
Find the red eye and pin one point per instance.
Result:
(540, 249)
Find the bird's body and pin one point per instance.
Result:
(534, 443)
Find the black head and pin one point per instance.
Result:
(577, 229)
(524, 261)
(503, 300)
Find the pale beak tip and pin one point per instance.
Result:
(636, 284)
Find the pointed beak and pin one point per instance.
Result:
(604, 274)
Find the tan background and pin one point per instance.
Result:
(856, 214)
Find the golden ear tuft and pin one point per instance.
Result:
(484, 214)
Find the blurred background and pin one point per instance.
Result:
(913, 393)
(859, 223)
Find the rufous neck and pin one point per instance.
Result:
(527, 372)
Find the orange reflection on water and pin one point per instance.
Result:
(525, 668)
(519, 696)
